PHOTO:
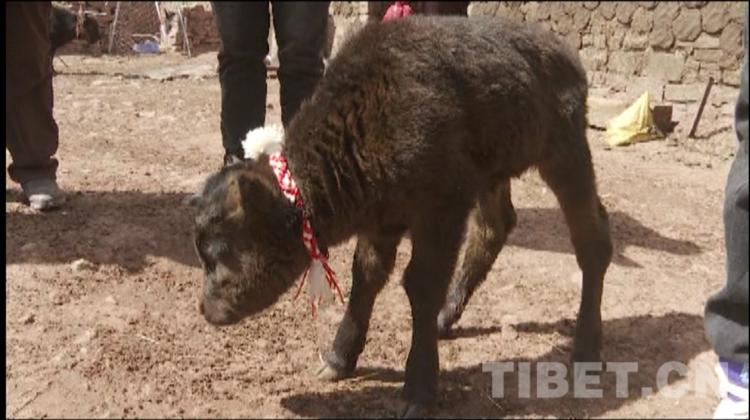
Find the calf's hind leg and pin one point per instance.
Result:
(490, 222)
(572, 179)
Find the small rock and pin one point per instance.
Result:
(81, 265)
(87, 336)
(29, 247)
(110, 300)
(508, 330)
(56, 298)
(28, 319)
(145, 114)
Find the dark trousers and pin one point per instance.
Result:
(300, 29)
(726, 313)
(31, 134)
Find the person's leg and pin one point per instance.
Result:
(301, 34)
(726, 312)
(243, 29)
(31, 134)
(455, 8)
(376, 10)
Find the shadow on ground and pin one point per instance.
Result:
(544, 229)
(121, 228)
(651, 341)
(126, 227)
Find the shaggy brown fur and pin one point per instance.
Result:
(417, 125)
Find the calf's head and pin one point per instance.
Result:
(248, 239)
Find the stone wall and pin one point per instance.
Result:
(659, 46)
(671, 42)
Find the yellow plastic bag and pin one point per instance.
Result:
(632, 125)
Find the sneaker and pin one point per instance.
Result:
(43, 194)
(733, 385)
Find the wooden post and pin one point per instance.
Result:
(114, 28)
(162, 24)
(184, 32)
(700, 108)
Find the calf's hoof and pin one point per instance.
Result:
(446, 318)
(585, 363)
(328, 373)
(415, 411)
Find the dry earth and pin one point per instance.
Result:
(121, 336)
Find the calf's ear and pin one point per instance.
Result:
(193, 199)
(252, 192)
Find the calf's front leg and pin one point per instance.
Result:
(373, 262)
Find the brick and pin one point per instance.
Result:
(635, 42)
(600, 41)
(729, 61)
(615, 36)
(708, 55)
(587, 40)
(607, 10)
(603, 109)
(617, 82)
(690, 73)
(665, 66)
(593, 59)
(581, 18)
(687, 26)
(684, 93)
(665, 13)
(736, 11)
(714, 17)
(639, 85)
(730, 77)
(563, 24)
(537, 12)
(642, 21)
(574, 39)
(693, 4)
(731, 39)
(591, 5)
(706, 41)
(661, 37)
(624, 11)
(625, 62)
(709, 70)
(478, 8)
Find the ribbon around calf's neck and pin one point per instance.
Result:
(319, 267)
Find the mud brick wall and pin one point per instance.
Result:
(201, 30)
(668, 43)
(347, 16)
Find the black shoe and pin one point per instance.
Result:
(231, 159)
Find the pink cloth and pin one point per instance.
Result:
(397, 10)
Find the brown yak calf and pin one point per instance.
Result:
(418, 125)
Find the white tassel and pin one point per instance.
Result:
(317, 286)
(263, 140)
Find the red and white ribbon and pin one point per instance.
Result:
(284, 177)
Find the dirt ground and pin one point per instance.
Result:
(121, 336)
